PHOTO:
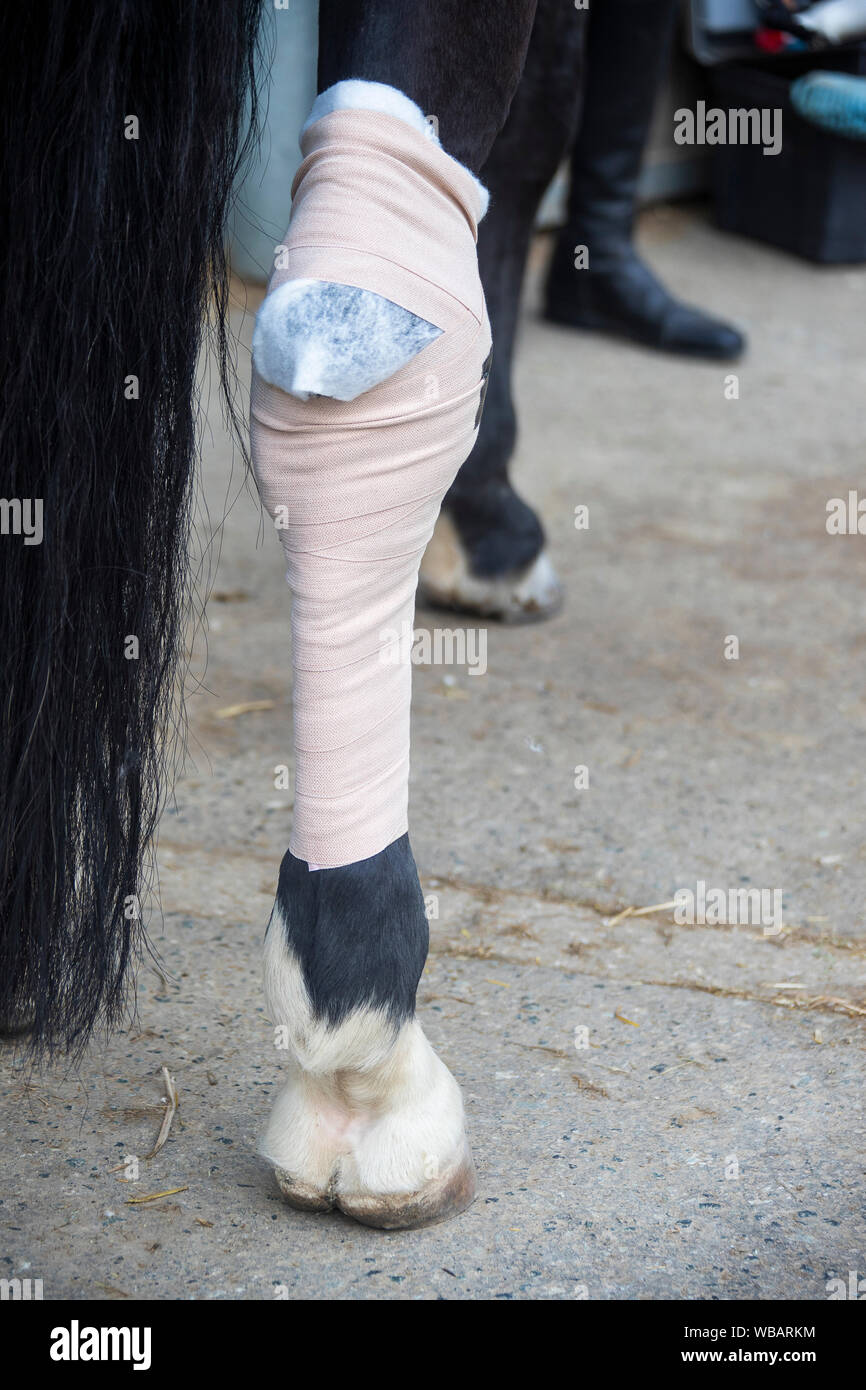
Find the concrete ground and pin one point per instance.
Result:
(658, 1111)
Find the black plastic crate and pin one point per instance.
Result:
(810, 198)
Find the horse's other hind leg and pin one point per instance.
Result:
(370, 1120)
(487, 555)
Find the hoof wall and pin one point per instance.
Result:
(301, 1195)
(526, 596)
(439, 1200)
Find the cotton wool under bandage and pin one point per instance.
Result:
(355, 486)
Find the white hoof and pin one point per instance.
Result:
(522, 596)
(370, 1120)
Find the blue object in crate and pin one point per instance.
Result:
(834, 101)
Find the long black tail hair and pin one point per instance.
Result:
(122, 127)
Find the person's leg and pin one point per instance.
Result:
(383, 224)
(487, 555)
(628, 46)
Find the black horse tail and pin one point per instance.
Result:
(123, 125)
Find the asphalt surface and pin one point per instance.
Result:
(658, 1110)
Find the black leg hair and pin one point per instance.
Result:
(460, 61)
(360, 932)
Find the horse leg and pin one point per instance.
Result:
(487, 554)
(352, 460)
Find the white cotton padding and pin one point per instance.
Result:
(355, 94)
(317, 338)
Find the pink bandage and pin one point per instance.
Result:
(355, 486)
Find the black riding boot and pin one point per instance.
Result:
(628, 45)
